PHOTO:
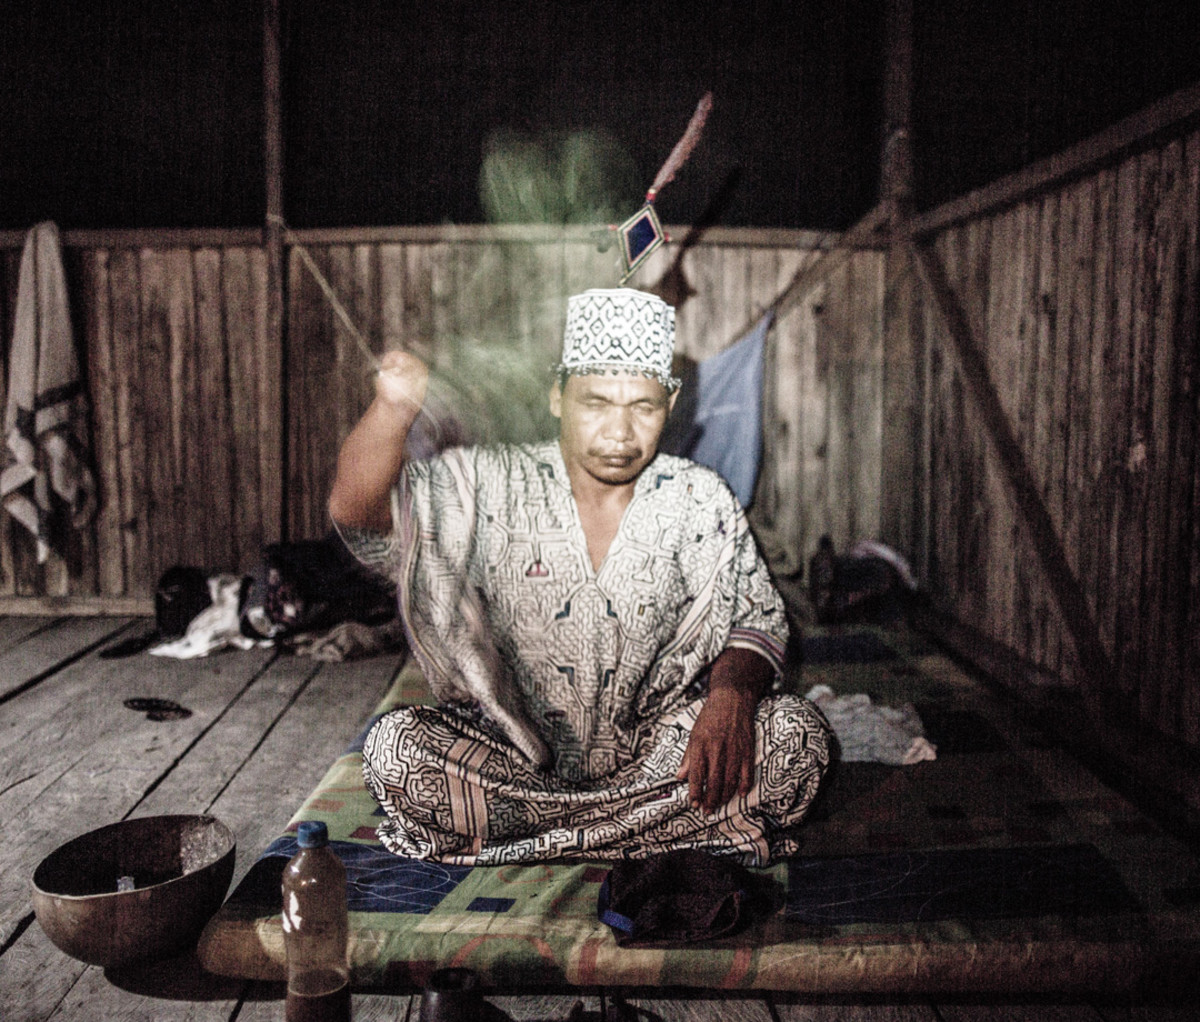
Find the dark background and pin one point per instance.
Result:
(116, 113)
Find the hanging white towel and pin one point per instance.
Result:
(46, 459)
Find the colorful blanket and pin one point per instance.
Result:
(1001, 865)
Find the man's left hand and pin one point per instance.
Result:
(719, 761)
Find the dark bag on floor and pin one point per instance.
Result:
(312, 585)
(181, 594)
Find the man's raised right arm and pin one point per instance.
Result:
(372, 455)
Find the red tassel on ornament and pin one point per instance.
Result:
(683, 148)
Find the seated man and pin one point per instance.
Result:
(599, 610)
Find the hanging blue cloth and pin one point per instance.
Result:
(720, 423)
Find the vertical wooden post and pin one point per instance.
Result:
(273, 239)
(896, 165)
(902, 485)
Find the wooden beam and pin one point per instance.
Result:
(148, 237)
(273, 230)
(487, 234)
(398, 234)
(1175, 112)
(77, 606)
(272, 124)
(896, 163)
(1021, 485)
(864, 234)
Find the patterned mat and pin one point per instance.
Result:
(1002, 865)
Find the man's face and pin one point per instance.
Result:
(610, 425)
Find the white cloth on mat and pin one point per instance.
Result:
(867, 732)
(46, 463)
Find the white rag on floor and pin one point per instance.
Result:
(216, 627)
(47, 441)
(870, 733)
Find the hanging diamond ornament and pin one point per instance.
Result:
(642, 233)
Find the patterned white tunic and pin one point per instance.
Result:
(609, 664)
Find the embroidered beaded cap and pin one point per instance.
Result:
(619, 330)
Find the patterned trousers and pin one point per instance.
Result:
(456, 792)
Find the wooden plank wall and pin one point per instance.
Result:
(186, 417)
(1085, 299)
(212, 440)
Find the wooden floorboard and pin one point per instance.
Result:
(683, 1006)
(177, 990)
(365, 1007)
(42, 650)
(543, 1007)
(277, 741)
(75, 758)
(826, 1010)
(294, 756)
(1148, 1012)
(263, 729)
(1037, 1012)
(15, 630)
(87, 760)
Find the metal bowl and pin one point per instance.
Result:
(179, 867)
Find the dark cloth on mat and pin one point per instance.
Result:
(676, 897)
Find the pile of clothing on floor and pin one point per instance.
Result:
(311, 597)
(871, 583)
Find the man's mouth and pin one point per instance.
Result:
(618, 460)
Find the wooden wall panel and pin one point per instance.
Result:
(134, 494)
(1076, 303)
(1084, 302)
(172, 342)
(1106, 405)
(210, 466)
(835, 376)
(253, 416)
(102, 386)
(1121, 453)
(9, 270)
(787, 523)
(309, 335)
(1181, 626)
(1157, 363)
(804, 380)
(901, 403)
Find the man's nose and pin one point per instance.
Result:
(619, 424)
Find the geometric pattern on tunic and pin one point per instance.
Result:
(592, 653)
(600, 658)
(457, 792)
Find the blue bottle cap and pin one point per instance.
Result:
(312, 834)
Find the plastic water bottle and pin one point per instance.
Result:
(315, 930)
